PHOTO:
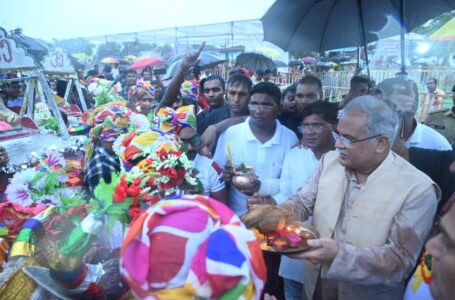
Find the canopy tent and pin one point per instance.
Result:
(220, 36)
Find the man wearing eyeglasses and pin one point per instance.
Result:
(319, 118)
(260, 141)
(372, 209)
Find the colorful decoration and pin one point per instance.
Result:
(76, 146)
(423, 271)
(31, 231)
(167, 119)
(137, 145)
(104, 90)
(13, 216)
(164, 171)
(47, 184)
(142, 89)
(109, 121)
(191, 247)
(140, 123)
(190, 89)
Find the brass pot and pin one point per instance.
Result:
(243, 180)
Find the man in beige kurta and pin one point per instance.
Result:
(373, 210)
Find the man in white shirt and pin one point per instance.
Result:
(210, 175)
(401, 94)
(428, 138)
(319, 119)
(261, 142)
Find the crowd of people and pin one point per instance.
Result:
(157, 212)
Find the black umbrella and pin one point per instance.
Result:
(320, 25)
(339, 59)
(255, 61)
(295, 63)
(206, 60)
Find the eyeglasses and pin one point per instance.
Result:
(347, 142)
(316, 127)
(263, 107)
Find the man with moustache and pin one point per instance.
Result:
(219, 119)
(308, 90)
(213, 90)
(372, 209)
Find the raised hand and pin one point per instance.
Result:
(192, 59)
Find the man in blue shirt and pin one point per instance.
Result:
(14, 90)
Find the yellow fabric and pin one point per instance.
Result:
(19, 285)
(173, 294)
(59, 100)
(250, 291)
(169, 119)
(21, 248)
(418, 280)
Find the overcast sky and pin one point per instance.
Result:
(48, 19)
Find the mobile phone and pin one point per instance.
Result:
(160, 71)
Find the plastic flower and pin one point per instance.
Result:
(139, 122)
(19, 194)
(23, 177)
(54, 159)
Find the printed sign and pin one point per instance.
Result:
(56, 61)
(12, 56)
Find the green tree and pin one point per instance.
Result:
(76, 45)
(135, 48)
(108, 49)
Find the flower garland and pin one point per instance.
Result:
(162, 172)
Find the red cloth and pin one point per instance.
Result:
(203, 103)
(14, 215)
